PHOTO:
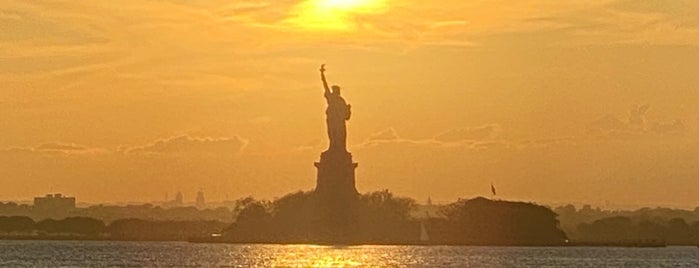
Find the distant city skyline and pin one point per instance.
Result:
(228, 202)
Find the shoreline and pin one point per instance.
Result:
(630, 244)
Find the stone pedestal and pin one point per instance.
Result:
(336, 175)
(337, 196)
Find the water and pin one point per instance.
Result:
(135, 254)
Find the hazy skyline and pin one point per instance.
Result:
(552, 101)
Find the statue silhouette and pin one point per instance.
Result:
(337, 113)
(335, 180)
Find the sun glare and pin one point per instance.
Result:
(345, 4)
(334, 14)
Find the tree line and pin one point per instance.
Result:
(382, 218)
(123, 229)
(671, 226)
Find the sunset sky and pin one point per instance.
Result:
(553, 101)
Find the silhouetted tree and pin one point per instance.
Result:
(16, 224)
(253, 221)
(384, 218)
(483, 221)
(380, 217)
(608, 230)
(72, 225)
(305, 217)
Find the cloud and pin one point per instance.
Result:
(605, 22)
(684, 13)
(56, 148)
(636, 125)
(543, 143)
(388, 134)
(259, 13)
(61, 147)
(8, 15)
(193, 145)
(637, 117)
(260, 120)
(481, 137)
(676, 126)
(448, 23)
(608, 123)
(314, 145)
(484, 132)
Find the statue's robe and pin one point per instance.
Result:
(337, 113)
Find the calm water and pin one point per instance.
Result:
(81, 254)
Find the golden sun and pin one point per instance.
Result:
(334, 14)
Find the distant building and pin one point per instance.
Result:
(177, 202)
(178, 199)
(201, 203)
(54, 204)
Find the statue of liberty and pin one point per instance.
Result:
(335, 183)
(337, 113)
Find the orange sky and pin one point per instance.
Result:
(553, 101)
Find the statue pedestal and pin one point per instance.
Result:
(337, 196)
(336, 175)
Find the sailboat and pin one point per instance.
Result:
(424, 237)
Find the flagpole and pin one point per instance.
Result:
(492, 191)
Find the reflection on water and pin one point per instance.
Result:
(327, 256)
(79, 253)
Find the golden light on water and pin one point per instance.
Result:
(330, 256)
(321, 262)
(334, 14)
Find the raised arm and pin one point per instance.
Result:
(322, 78)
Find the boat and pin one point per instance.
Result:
(424, 237)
